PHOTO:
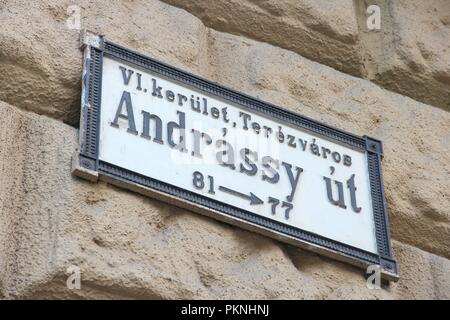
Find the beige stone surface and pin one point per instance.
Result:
(40, 61)
(411, 52)
(324, 30)
(129, 246)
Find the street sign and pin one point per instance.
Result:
(162, 132)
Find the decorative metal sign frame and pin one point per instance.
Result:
(86, 163)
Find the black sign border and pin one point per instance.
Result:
(88, 159)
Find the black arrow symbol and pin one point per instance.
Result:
(252, 197)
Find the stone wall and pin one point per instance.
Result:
(312, 57)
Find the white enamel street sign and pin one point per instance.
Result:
(165, 133)
(141, 131)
